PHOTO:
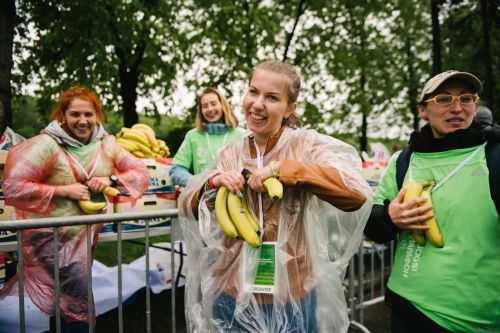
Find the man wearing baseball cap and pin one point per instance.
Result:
(449, 283)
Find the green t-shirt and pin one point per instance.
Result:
(199, 149)
(457, 286)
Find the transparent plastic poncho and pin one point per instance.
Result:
(33, 169)
(314, 243)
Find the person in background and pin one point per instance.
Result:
(46, 176)
(215, 127)
(288, 284)
(453, 288)
(8, 139)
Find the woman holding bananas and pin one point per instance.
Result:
(447, 278)
(285, 190)
(48, 175)
(215, 126)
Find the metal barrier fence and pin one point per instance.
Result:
(365, 281)
(366, 277)
(89, 220)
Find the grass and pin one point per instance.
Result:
(106, 252)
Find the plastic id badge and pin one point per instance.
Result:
(261, 278)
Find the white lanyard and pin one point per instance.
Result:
(260, 164)
(209, 144)
(454, 171)
(80, 166)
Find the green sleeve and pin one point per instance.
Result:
(184, 156)
(387, 188)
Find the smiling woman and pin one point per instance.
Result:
(276, 276)
(48, 175)
(216, 126)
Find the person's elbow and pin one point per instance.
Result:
(357, 200)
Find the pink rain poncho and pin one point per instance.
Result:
(310, 239)
(33, 169)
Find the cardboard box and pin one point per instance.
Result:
(148, 202)
(159, 177)
(3, 158)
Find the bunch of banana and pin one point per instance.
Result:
(141, 141)
(93, 207)
(415, 189)
(233, 216)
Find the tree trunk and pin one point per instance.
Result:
(436, 38)
(7, 23)
(412, 87)
(129, 78)
(300, 11)
(363, 140)
(487, 60)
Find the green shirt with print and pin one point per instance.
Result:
(457, 286)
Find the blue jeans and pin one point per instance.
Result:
(300, 315)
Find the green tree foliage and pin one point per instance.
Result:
(119, 48)
(363, 62)
(464, 44)
(230, 37)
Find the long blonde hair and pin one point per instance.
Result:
(229, 118)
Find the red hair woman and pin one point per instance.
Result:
(46, 176)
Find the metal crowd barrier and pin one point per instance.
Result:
(88, 220)
(367, 275)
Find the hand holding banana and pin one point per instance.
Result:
(234, 218)
(96, 207)
(231, 210)
(98, 185)
(265, 180)
(412, 210)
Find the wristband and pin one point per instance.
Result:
(211, 184)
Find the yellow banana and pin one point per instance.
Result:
(149, 133)
(274, 188)
(245, 230)
(222, 215)
(249, 216)
(111, 191)
(127, 144)
(432, 233)
(138, 153)
(162, 144)
(132, 145)
(164, 150)
(120, 133)
(413, 190)
(91, 207)
(135, 135)
(145, 128)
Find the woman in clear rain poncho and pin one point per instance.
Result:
(324, 196)
(46, 176)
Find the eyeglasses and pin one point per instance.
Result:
(446, 100)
